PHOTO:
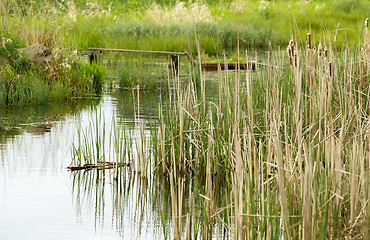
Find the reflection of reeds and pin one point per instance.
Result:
(92, 150)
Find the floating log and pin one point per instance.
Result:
(100, 165)
(229, 66)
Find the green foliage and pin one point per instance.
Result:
(140, 72)
(93, 75)
(8, 49)
(21, 89)
(125, 79)
(349, 6)
(117, 24)
(24, 83)
(142, 78)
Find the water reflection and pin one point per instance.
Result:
(39, 119)
(35, 151)
(144, 205)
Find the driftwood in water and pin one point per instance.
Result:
(100, 165)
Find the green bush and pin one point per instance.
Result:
(22, 82)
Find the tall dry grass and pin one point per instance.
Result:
(289, 145)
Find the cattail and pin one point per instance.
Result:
(309, 40)
(330, 72)
(288, 49)
(295, 60)
(325, 52)
(367, 22)
(291, 43)
(319, 49)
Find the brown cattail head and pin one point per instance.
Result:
(330, 70)
(290, 50)
(325, 52)
(289, 55)
(319, 49)
(309, 40)
(367, 22)
(295, 60)
(291, 43)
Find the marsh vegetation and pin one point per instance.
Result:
(282, 151)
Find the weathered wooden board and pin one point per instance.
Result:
(136, 51)
(229, 66)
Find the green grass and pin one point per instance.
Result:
(35, 85)
(23, 82)
(137, 73)
(81, 25)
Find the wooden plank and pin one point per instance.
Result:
(230, 66)
(87, 52)
(136, 51)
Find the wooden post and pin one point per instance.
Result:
(92, 57)
(173, 63)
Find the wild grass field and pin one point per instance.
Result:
(167, 25)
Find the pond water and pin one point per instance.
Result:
(41, 199)
(38, 196)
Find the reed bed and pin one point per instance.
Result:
(281, 152)
(288, 146)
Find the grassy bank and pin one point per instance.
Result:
(23, 81)
(167, 25)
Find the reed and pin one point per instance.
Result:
(282, 152)
(289, 142)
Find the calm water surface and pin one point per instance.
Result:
(40, 199)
